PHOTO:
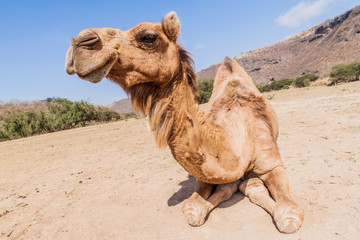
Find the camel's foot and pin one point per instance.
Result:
(288, 217)
(194, 212)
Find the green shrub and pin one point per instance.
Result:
(107, 115)
(25, 124)
(125, 116)
(281, 84)
(270, 96)
(304, 81)
(66, 115)
(58, 110)
(266, 88)
(259, 87)
(276, 85)
(3, 136)
(205, 88)
(61, 114)
(80, 113)
(345, 72)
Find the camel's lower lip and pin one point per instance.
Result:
(97, 73)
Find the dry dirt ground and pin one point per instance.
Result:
(111, 182)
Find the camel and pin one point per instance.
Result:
(229, 146)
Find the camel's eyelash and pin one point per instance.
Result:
(148, 38)
(88, 41)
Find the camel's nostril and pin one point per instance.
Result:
(70, 70)
(85, 38)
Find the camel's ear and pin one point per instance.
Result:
(171, 26)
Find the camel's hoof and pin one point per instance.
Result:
(288, 218)
(194, 213)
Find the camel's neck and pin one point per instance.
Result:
(195, 142)
(171, 106)
(173, 110)
(174, 120)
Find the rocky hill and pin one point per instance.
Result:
(122, 106)
(316, 50)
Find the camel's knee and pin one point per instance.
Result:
(225, 191)
(257, 193)
(251, 185)
(203, 189)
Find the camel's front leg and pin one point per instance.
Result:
(194, 208)
(287, 214)
(204, 200)
(256, 191)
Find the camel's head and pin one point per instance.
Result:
(146, 53)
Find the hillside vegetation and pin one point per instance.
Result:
(345, 73)
(205, 88)
(303, 81)
(23, 120)
(339, 73)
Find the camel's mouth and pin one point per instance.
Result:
(96, 73)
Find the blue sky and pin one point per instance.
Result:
(35, 36)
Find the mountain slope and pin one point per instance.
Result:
(121, 106)
(316, 50)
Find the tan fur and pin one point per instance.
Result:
(236, 133)
(171, 26)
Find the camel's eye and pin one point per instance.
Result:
(89, 41)
(148, 38)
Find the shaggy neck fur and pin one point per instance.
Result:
(175, 119)
(166, 104)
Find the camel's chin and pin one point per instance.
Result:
(99, 72)
(93, 77)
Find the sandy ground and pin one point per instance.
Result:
(111, 182)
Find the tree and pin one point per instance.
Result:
(58, 109)
(61, 114)
(106, 115)
(80, 113)
(205, 87)
(305, 80)
(25, 124)
(3, 136)
(281, 84)
(345, 72)
(276, 85)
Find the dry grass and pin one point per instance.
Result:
(14, 107)
(320, 82)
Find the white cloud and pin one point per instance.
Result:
(303, 12)
(200, 46)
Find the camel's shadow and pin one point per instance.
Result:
(187, 188)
